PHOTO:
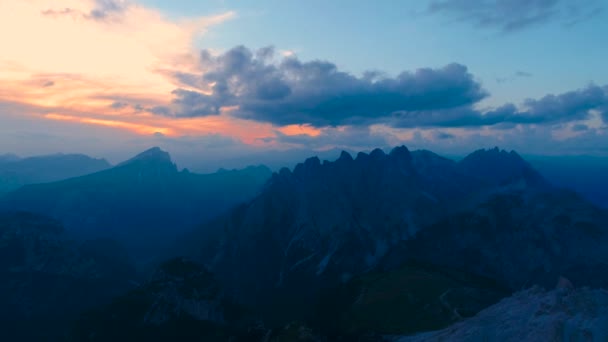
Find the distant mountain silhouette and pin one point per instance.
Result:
(325, 222)
(16, 172)
(143, 202)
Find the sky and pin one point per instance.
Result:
(223, 83)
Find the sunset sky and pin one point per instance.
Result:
(219, 80)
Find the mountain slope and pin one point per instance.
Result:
(142, 202)
(47, 279)
(520, 239)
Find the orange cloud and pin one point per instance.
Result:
(55, 56)
(110, 73)
(134, 127)
(300, 129)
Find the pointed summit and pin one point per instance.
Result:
(154, 156)
(377, 154)
(401, 152)
(155, 153)
(345, 156)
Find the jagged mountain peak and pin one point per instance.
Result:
(494, 154)
(499, 166)
(401, 152)
(345, 156)
(377, 153)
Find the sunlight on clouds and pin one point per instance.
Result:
(57, 54)
(300, 129)
(146, 124)
(134, 127)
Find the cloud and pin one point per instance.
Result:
(101, 10)
(92, 58)
(99, 62)
(106, 8)
(347, 137)
(259, 86)
(515, 15)
(551, 109)
(289, 91)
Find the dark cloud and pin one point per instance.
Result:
(570, 106)
(48, 84)
(289, 91)
(118, 105)
(515, 15)
(551, 109)
(105, 8)
(317, 93)
(136, 108)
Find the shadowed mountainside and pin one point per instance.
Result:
(319, 225)
(47, 279)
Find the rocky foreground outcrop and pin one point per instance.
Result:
(535, 314)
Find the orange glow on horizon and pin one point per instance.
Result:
(134, 127)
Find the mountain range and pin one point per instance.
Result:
(398, 246)
(141, 202)
(490, 216)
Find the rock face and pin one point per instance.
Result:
(322, 223)
(47, 279)
(533, 315)
(144, 196)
